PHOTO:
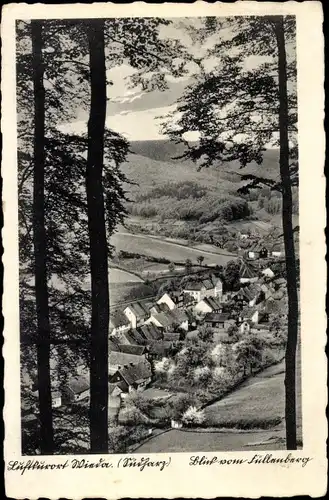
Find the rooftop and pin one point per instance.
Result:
(217, 317)
(117, 359)
(118, 319)
(136, 373)
(78, 384)
(139, 309)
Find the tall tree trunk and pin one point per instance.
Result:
(40, 250)
(98, 243)
(290, 377)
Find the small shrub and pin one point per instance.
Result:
(192, 416)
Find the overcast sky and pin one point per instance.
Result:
(134, 113)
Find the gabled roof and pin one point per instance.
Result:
(150, 332)
(78, 384)
(136, 373)
(171, 336)
(117, 387)
(217, 317)
(211, 302)
(118, 319)
(117, 359)
(163, 307)
(246, 270)
(248, 312)
(196, 285)
(251, 291)
(132, 349)
(139, 309)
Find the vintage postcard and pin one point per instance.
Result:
(164, 250)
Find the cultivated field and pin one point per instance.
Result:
(155, 247)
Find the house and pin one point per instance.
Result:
(133, 337)
(76, 389)
(210, 287)
(257, 251)
(171, 300)
(132, 377)
(244, 327)
(167, 321)
(137, 313)
(252, 294)
(171, 336)
(150, 332)
(249, 314)
(268, 273)
(119, 323)
(217, 320)
(208, 304)
(277, 250)
(119, 359)
(157, 308)
(56, 399)
(247, 273)
(279, 282)
(131, 349)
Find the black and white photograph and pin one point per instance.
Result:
(161, 269)
(158, 234)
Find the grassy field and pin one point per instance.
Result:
(154, 247)
(120, 276)
(259, 400)
(258, 403)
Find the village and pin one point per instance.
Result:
(148, 339)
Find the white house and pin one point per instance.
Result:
(166, 299)
(207, 305)
(119, 323)
(245, 327)
(136, 313)
(212, 287)
(268, 273)
(250, 314)
(170, 319)
(56, 399)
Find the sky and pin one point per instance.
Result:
(136, 114)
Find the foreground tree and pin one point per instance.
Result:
(40, 246)
(98, 243)
(237, 113)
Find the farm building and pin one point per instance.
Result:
(150, 332)
(120, 359)
(208, 287)
(131, 349)
(76, 389)
(247, 273)
(208, 304)
(158, 308)
(217, 320)
(132, 377)
(257, 251)
(170, 319)
(137, 313)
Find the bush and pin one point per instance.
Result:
(179, 404)
(117, 438)
(192, 416)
